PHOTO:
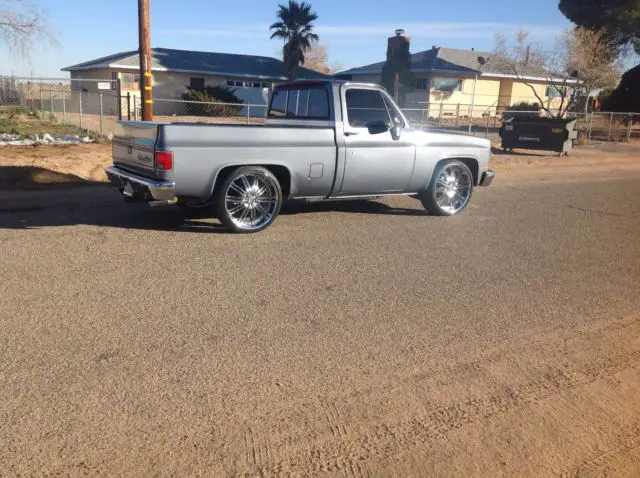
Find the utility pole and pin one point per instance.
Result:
(146, 80)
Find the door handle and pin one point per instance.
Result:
(351, 133)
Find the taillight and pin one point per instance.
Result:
(164, 160)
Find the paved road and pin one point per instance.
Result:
(356, 339)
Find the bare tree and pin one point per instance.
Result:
(592, 54)
(22, 23)
(581, 62)
(529, 60)
(317, 59)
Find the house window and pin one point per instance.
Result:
(230, 83)
(196, 83)
(447, 85)
(422, 83)
(114, 80)
(130, 81)
(556, 91)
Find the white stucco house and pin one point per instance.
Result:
(175, 70)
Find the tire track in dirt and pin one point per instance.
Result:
(599, 464)
(257, 450)
(352, 447)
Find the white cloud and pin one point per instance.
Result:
(439, 30)
(434, 30)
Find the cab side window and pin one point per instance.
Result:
(394, 114)
(365, 107)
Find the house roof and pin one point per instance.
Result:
(209, 63)
(455, 61)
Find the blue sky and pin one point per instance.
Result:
(354, 30)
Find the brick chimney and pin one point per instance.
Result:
(396, 41)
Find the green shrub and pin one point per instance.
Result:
(523, 110)
(212, 94)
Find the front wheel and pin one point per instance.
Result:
(450, 189)
(249, 200)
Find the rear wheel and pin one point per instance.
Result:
(195, 207)
(249, 200)
(450, 189)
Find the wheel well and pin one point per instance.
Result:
(471, 163)
(280, 172)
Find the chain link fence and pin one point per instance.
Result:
(96, 105)
(208, 112)
(486, 120)
(91, 104)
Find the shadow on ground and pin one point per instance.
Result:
(515, 152)
(34, 178)
(117, 214)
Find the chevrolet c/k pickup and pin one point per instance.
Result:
(321, 140)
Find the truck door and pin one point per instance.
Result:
(377, 161)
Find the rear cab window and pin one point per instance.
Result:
(305, 102)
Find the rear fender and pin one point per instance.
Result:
(221, 173)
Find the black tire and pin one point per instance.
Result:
(432, 199)
(228, 198)
(196, 209)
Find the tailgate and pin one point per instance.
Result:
(133, 145)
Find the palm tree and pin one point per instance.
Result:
(295, 27)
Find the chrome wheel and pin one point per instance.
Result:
(252, 200)
(453, 188)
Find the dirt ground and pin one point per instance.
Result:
(45, 165)
(35, 167)
(358, 339)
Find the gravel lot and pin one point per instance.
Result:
(349, 339)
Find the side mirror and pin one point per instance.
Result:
(395, 132)
(377, 127)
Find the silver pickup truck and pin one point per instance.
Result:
(321, 140)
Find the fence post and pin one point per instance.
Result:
(101, 113)
(128, 106)
(590, 126)
(51, 101)
(610, 125)
(119, 93)
(440, 114)
(630, 126)
(248, 110)
(80, 106)
(64, 107)
(41, 100)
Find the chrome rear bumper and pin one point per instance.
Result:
(133, 186)
(487, 177)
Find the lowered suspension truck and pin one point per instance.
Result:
(321, 140)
